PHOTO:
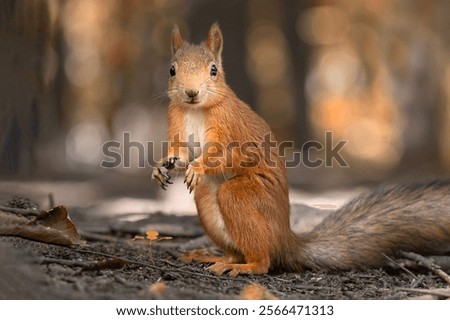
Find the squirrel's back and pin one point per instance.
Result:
(409, 218)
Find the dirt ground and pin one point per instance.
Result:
(140, 270)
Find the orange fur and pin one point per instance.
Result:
(243, 202)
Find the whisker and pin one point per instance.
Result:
(217, 92)
(160, 97)
(204, 81)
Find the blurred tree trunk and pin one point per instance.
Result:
(299, 56)
(24, 33)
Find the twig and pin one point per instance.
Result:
(51, 200)
(437, 292)
(417, 281)
(427, 263)
(281, 279)
(274, 290)
(400, 266)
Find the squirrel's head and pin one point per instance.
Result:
(196, 70)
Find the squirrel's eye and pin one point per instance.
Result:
(213, 70)
(172, 71)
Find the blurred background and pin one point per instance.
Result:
(78, 73)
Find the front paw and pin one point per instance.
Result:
(169, 164)
(194, 173)
(161, 175)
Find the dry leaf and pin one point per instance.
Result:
(256, 292)
(152, 235)
(53, 226)
(158, 287)
(154, 289)
(58, 219)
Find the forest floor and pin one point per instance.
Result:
(118, 260)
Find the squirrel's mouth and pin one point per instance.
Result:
(192, 101)
(192, 96)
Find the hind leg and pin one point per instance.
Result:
(214, 226)
(241, 201)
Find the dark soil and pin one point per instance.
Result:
(34, 270)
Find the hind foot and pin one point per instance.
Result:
(235, 269)
(206, 255)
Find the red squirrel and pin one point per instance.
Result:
(241, 188)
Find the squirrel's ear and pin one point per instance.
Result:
(214, 42)
(177, 40)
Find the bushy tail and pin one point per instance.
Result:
(409, 218)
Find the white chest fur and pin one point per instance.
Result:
(194, 125)
(208, 207)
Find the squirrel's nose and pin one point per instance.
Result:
(191, 93)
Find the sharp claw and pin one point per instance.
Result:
(159, 179)
(163, 183)
(191, 179)
(166, 176)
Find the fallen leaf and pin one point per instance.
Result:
(256, 292)
(152, 234)
(53, 226)
(158, 287)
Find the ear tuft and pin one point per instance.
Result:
(177, 40)
(214, 42)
